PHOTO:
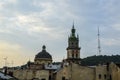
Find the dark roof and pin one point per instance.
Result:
(43, 54)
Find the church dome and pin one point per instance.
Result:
(43, 54)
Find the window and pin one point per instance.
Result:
(49, 77)
(73, 51)
(99, 76)
(72, 55)
(76, 51)
(105, 76)
(10, 73)
(72, 43)
(76, 55)
(110, 77)
(63, 78)
(107, 67)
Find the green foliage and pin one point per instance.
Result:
(101, 59)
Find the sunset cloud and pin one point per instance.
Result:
(13, 52)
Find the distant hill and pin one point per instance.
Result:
(101, 59)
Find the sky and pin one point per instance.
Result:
(27, 25)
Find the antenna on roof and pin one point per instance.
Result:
(99, 46)
(5, 61)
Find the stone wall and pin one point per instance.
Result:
(101, 72)
(114, 71)
(75, 72)
(72, 72)
(82, 72)
(30, 74)
(107, 72)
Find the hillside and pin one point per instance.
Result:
(101, 59)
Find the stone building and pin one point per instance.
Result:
(69, 69)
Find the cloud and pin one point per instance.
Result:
(48, 9)
(4, 46)
(111, 42)
(1, 5)
(30, 25)
(116, 26)
(5, 31)
(13, 1)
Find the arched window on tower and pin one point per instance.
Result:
(72, 55)
(76, 55)
(72, 44)
(76, 51)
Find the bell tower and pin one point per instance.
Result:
(73, 49)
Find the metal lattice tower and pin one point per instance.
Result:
(99, 46)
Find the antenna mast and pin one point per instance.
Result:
(99, 46)
(5, 61)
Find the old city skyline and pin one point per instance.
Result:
(27, 25)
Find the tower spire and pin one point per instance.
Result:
(73, 30)
(73, 49)
(99, 46)
(73, 26)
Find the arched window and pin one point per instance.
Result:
(76, 51)
(99, 76)
(72, 55)
(72, 51)
(105, 76)
(72, 43)
(50, 78)
(110, 77)
(63, 78)
(76, 55)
